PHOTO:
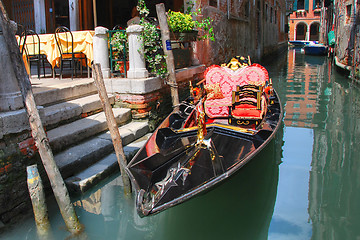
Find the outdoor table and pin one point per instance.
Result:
(83, 42)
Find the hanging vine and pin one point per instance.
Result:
(154, 55)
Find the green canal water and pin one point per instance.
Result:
(304, 185)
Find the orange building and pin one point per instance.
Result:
(304, 22)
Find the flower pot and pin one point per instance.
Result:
(121, 66)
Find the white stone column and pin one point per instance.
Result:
(307, 35)
(10, 95)
(137, 67)
(101, 51)
(74, 15)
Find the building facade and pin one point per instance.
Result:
(249, 28)
(44, 16)
(305, 21)
(346, 26)
(254, 28)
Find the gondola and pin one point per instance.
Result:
(207, 137)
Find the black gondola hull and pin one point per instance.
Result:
(173, 167)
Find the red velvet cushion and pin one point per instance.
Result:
(246, 113)
(245, 106)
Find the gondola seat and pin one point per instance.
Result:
(249, 104)
(224, 80)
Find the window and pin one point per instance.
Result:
(266, 13)
(245, 9)
(300, 4)
(348, 13)
(213, 3)
(296, 105)
(317, 4)
(275, 20)
(314, 29)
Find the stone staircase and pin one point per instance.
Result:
(78, 134)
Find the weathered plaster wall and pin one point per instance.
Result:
(345, 29)
(241, 28)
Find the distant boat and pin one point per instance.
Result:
(315, 49)
(298, 43)
(203, 142)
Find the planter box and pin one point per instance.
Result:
(184, 37)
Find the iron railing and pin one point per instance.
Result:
(118, 59)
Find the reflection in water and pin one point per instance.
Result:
(334, 180)
(305, 82)
(318, 190)
(107, 214)
(290, 218)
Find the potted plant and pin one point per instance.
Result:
(185, 26)
(181, 26)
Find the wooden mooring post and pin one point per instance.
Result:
(37, 196)
(165, 36)
(37, 129)
(113, 128)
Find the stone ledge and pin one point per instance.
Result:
(135, 86)
(16, 121)
(148, 85)
(186, 73)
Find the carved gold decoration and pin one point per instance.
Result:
(191, 92)
(234, 128)
(243, 122)
(234, 64)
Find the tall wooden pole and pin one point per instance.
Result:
(113, 128)
(37, 130)
(165, 36)
(95, 13)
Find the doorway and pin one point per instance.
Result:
(301, 30)
(314, 31)
(61, 11)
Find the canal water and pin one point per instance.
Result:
(304, 185)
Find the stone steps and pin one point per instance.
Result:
(73, 109)
(56, 101)
(51, 93)
(82, 181)
(78, 134)
(74, 132)
(86, 153)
